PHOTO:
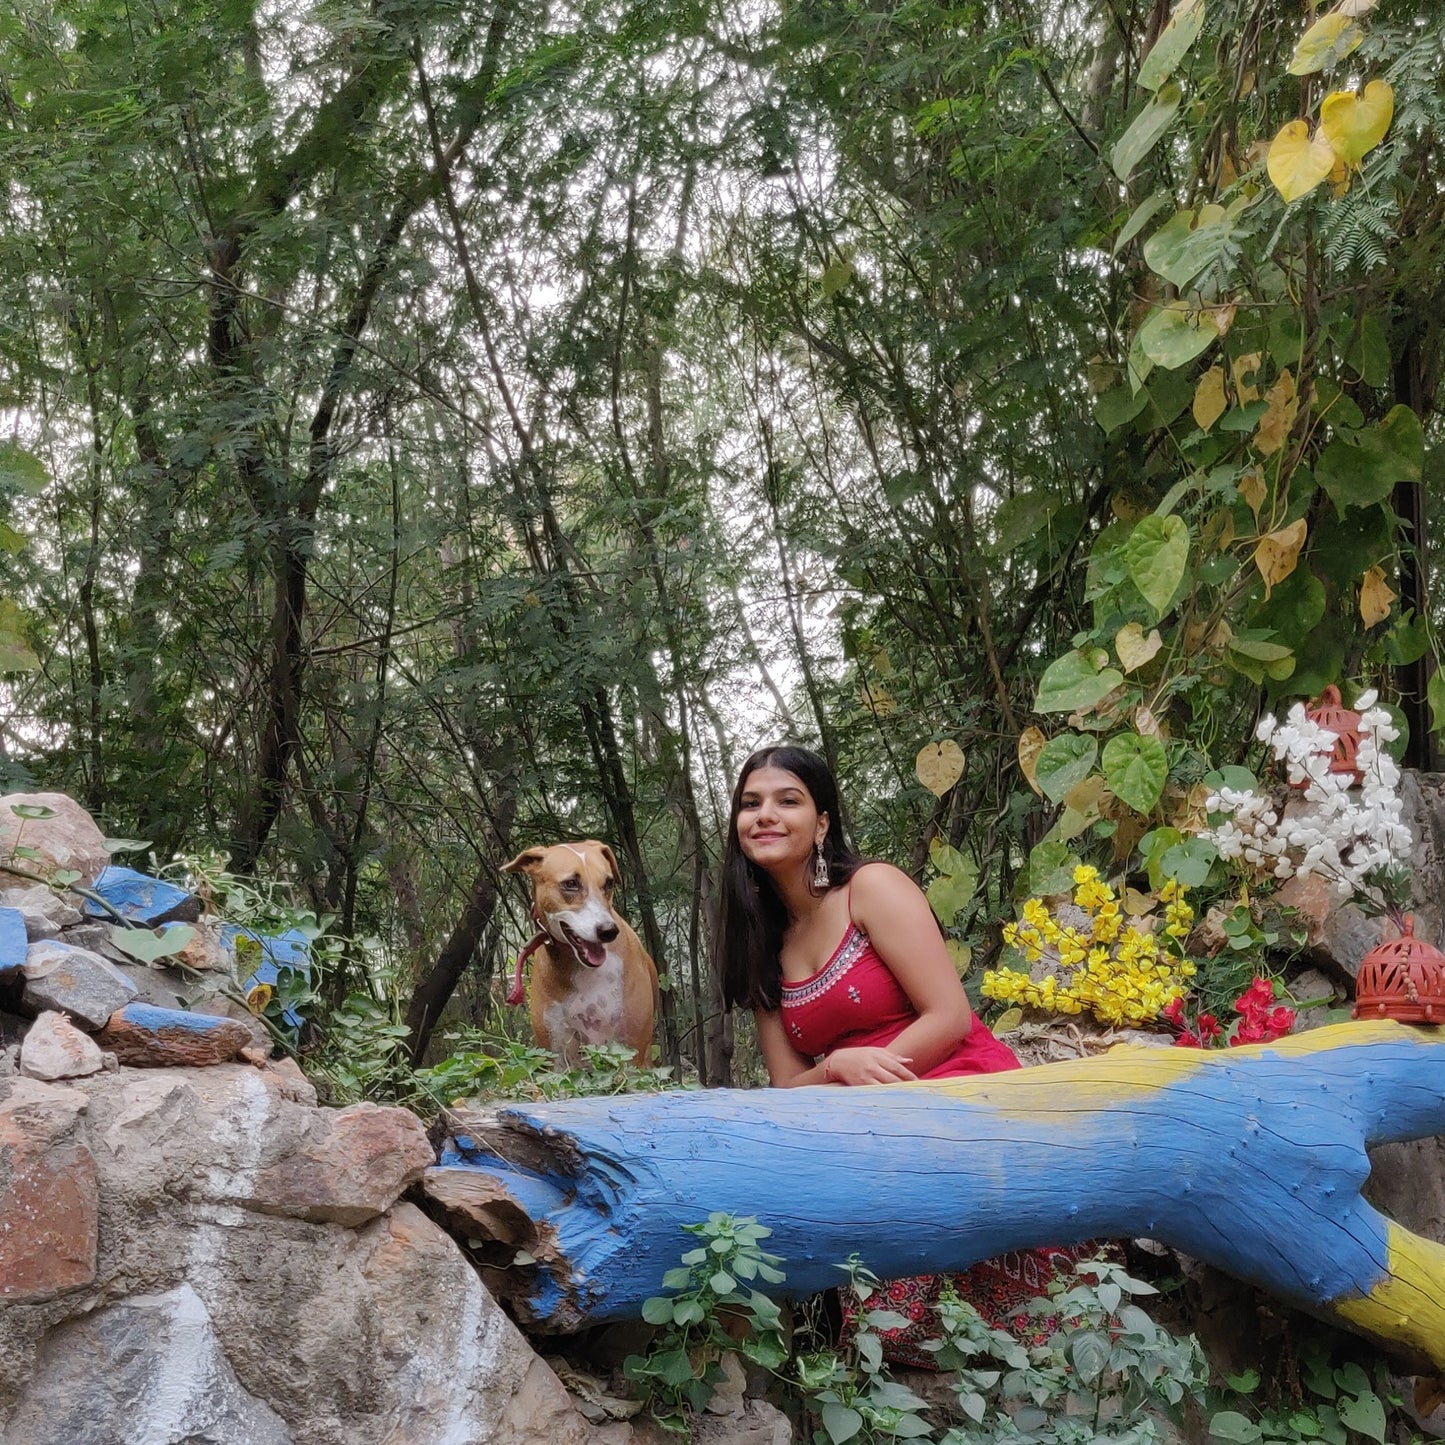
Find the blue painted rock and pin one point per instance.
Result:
(144, 1036)
(74, 981)
(14, 941)
(143, 899)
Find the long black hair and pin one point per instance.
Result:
(752, 919)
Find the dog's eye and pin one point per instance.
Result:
(609, 885)
(571, 885)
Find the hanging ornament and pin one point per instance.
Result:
(1402, 979)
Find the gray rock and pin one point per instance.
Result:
(96, 937)
(45, 910)
(146, 1371)
(55, 1049)
(758, 1423)
(74, 981)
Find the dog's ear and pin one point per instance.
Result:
(611, 858)
(525, 862)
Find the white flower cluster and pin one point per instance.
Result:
(1352, 837)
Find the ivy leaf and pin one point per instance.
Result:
(1278, 553)
(1353, 125)
(1187, 243)
(841, 1422)
(1281, 409)
(1364, 1413)
(1361, 468)
(1052, 864)
(1144, 212)
(1133, 648)
(1297, 162)
(1136, 769)
(1210, 402)
(1188, 862)
(1175, 333)
(1157, 554)
(1031, 743)
(1064, 763)
(1230, 1425)
(1326, 43)
(1145, 130)
(147, 945)
(939, 766)
(1173, 44)
(1375, 597)
(1077, 681)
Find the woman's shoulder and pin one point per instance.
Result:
(878, 884)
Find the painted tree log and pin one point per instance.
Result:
(1251, 1159)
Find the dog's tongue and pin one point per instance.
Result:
(593, 952)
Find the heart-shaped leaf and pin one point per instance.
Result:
(1188, 243)
(1298, 162)
(1175, 334)
(1210, 401)
(1282, 407)
(1326, 43)
(149, 944)
(1173, 44)
(1133, 648)
(1278, 553)
(1136, 768)
(1077, 681)
(1144, 131)
(1157, 553)
(1353, 125)
(1064, 763)
(1031, 744)
(939, 766)
(1375, 597)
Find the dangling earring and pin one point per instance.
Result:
(820, 870)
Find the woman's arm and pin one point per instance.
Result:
(891, 909)
(787, 1068)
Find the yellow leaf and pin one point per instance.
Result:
(1251, 488)
(1353, 125)
(1278, 554)
(1031, 743)
(1209, 399)
(1086, 797)
(1354, 8)
(1329, 39)
(1375, 597)
(961, 954)
(1134, 648)
(877, 699)
(1007, 1021)
(1136, 903)
(1241, 367)
(939, 766)
(1275, 424)
(1297, 161)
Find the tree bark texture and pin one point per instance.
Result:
(1250, 1159)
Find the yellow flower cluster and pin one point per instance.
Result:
(1119, 973)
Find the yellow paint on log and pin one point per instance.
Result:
(1406, 1307)
(1128, 1072)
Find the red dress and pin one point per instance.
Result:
(855, 1000)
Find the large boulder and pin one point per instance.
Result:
(256, 1270)
(53, 834)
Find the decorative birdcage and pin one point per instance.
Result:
(1330, 712)
(1404, 979)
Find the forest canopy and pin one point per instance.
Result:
(435, 428)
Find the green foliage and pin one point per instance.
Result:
(477, 1068)
(715, 1280)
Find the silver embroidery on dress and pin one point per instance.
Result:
(847, 955)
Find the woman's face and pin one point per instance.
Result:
(778, 823)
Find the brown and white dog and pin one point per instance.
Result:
(592, 981)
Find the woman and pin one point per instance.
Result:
(849, 982)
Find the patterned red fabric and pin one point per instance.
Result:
(999, 1289)
(855, 1000)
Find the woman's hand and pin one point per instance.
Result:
(866, 1065)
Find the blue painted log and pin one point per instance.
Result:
(1251, 1159)
(145, 1036)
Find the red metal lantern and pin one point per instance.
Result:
(1330, 712)
(1402, 979)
